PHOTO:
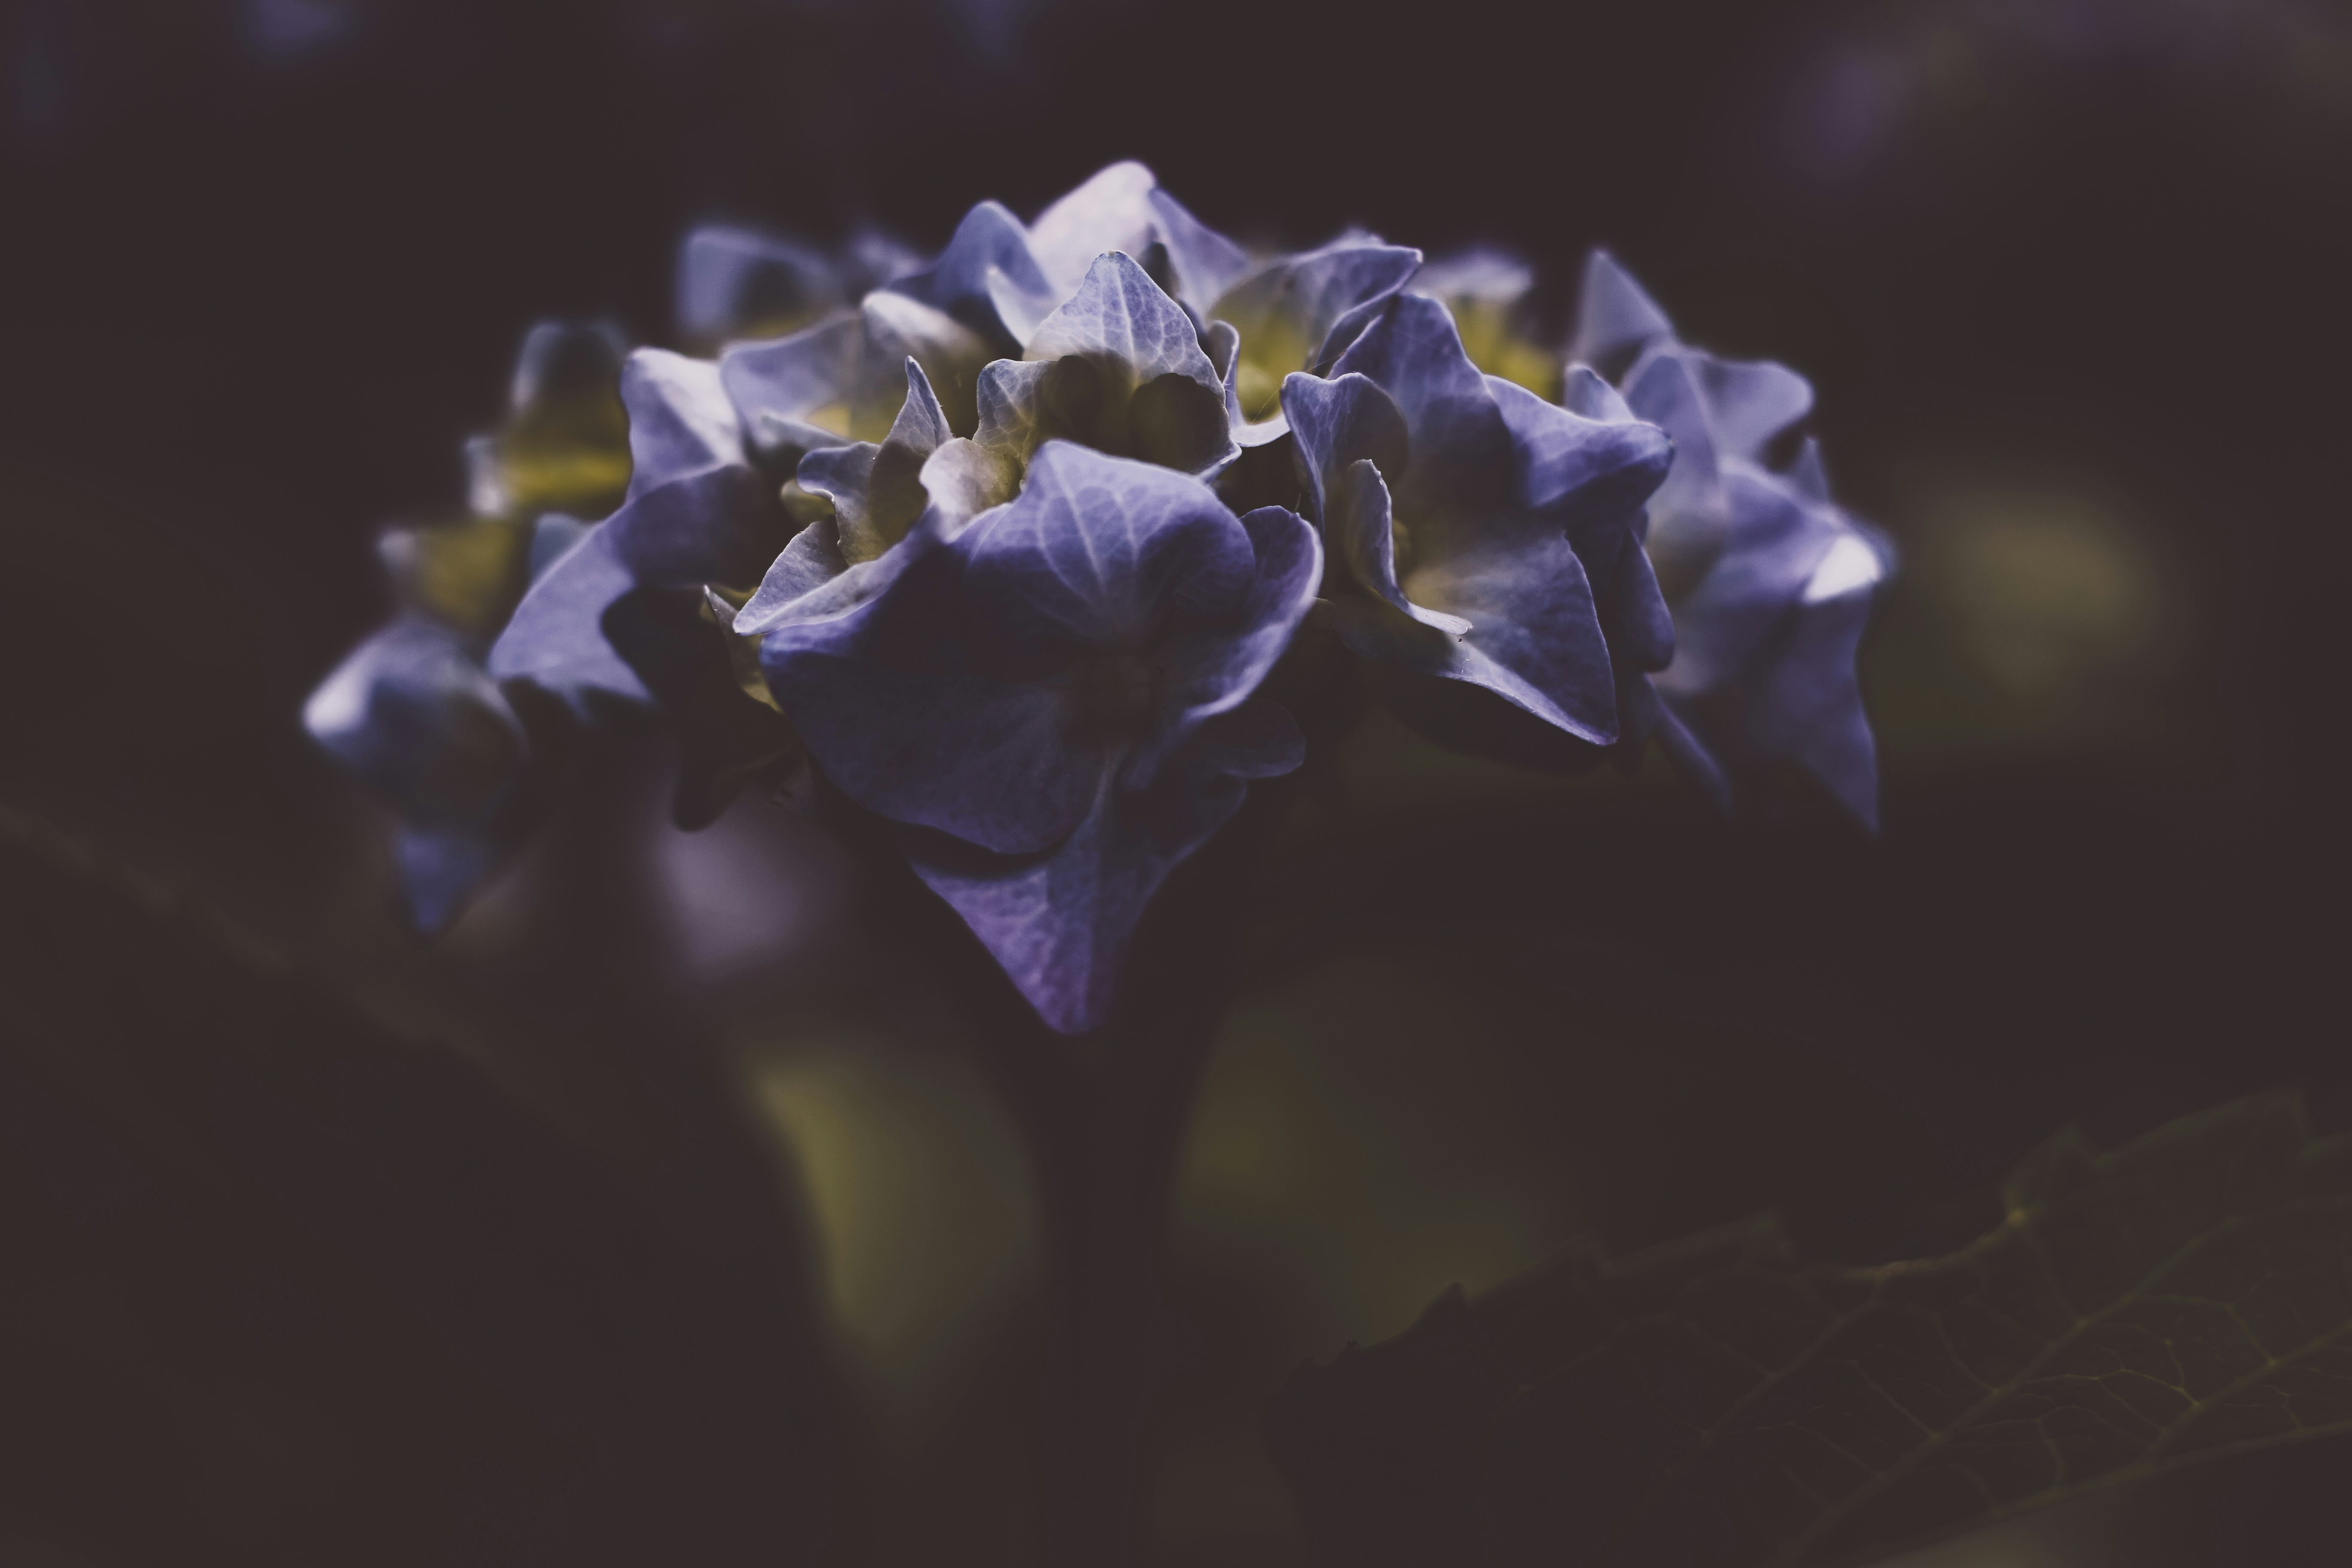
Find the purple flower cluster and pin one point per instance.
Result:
(1013, 537)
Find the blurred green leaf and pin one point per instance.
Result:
(1716, 1402)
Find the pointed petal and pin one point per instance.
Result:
(1614, 319)
(681, 421)
(555, 638)
(1111, 211)
(899, 329)
(1060, 924)
(1119, 312)
(1462, 454)
(810, 562)
(990, 238)
(1339, 422)
(784, 388)
(1206, 262)
(1751, 401)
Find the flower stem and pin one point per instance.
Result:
(1104, 1117)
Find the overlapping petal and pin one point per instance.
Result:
(1770, 583)
(1054, 700)
(1468, 523)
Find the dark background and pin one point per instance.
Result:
(568, 1282)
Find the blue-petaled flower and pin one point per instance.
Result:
(1485, 543)
(1770, 583)
(1054, 700)
(411, 712)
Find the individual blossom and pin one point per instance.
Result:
(1770, 583)
(1054, 700)
(1485, 543)
(411, 712)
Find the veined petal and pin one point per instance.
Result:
(1103, 551)
(1119, 313)
(1339, 422)
(790, 387)
(1111, 210)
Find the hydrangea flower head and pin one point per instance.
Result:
(1771, 583)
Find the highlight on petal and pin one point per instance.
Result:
(1111, 211)
(792, 394)
(1206, 263)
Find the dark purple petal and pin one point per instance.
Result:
(723, 525)
(906, 721)
(1462, 454)
(1581, 470)
(988, 240)
(440, 868)
(1214, 668)
(1105, 553)
(412, 716)
(555, 638)
(1060, 923)
(1340, 422)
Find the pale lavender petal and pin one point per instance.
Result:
(1111, 211)
(1749, 402)
(811, 561)
(1206, 262)
(1118, 311)
(899, 329)
(780, 387)
(1615, 320)
(555, 638)
(681, 420)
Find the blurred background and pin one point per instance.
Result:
(657, 1213)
